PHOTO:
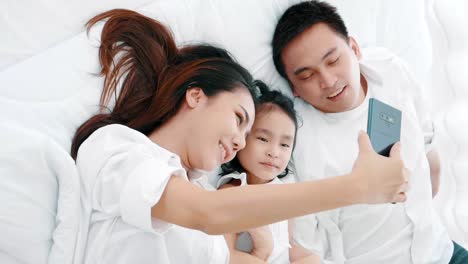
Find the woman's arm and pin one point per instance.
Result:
(374, 179)
(233, 210)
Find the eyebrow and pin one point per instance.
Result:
(302, 69)
(269, 133)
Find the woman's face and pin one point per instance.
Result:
(269, 146)
(220, 125)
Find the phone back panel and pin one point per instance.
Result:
(383, 126)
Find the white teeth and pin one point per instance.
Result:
(336, 93)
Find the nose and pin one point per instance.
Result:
(273, 152)
(327, 79)
(239, 142)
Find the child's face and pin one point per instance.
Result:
(269, 146)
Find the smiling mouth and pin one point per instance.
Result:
(224, 152)
(336, 93)
(269, 165)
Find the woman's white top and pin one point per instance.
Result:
(279, 230)
(123, 175)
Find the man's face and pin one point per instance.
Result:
(323, 69)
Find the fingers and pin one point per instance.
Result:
(364, 142)
(400, 198)
(395, 151)
(406, 174)
(404, 188)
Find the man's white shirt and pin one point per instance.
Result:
(327, 146)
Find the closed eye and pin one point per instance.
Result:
(334, 62)
(262, 139)
(306, 76)
(240, 119)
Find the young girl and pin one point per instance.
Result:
(178, 110)
(265, 159)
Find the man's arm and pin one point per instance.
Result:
(426, 123)
(434, 165)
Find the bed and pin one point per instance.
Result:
(48, 87)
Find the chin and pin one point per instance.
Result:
(268, 177)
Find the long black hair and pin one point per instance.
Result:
(141, 53)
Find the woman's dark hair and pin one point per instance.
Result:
(297, 19)
(141, 54)
(268, 100)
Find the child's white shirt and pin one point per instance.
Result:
(279, 230)
(327, 146)
(123, 175)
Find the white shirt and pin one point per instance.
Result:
(123, 175)
(327, 146)
(279, 230)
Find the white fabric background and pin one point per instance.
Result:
(47, 89)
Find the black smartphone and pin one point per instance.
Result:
(383, 126)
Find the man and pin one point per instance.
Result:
(333, 80)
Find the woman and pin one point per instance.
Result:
(178, 111)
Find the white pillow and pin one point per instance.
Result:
(46, 97)
(42, 101)
(33, 167)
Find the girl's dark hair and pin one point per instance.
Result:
(141, 54)
(267, 101)
(297, 19)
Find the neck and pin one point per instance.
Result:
(252, 179)
(363, 88)
(171, 136)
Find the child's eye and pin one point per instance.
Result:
(262, 139)
(285, 145)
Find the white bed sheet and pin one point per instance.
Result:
(48, 88)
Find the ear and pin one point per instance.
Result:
(293, 89)
(294, 92)
(195, 97)
(355, 47)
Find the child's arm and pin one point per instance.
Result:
(298, 254)
(261, 240)
(237, 256)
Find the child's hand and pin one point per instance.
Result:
(381, 179)
(262, 240)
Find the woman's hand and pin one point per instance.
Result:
(262, 241)
(380, 179)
